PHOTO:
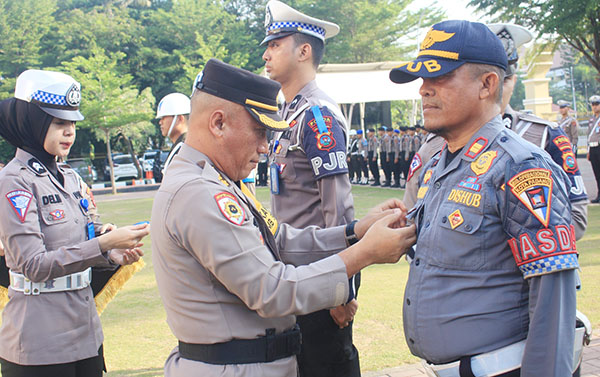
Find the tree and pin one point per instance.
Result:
(577, 22)
(23, 24)
(110, 103)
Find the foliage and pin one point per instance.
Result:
(111, 104)
(576, 22)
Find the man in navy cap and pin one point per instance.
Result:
(309, 172)
(491, 288)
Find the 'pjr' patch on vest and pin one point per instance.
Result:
(230, 207)
(20, 201)
(533, 188)
(324, 143)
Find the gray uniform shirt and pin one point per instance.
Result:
(217, 279)
(43, 228)
(490, 266)
(433, 144)
(372, 146)
(552, 139)
(314, 188)
(362, 147)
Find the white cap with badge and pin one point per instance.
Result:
(512, 37)
(56, 93)
(282, 20)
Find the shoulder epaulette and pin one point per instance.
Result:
(535, 119)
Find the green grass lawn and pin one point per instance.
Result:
(137, 338)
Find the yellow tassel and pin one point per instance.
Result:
(115, 283)
(3, 297)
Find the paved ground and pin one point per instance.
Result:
(590, 367)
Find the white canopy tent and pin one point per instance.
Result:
(349, 84)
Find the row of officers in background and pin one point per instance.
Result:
(391, 150)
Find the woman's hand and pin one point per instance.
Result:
(127, 237)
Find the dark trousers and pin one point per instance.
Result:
(262, 174)
(595, 160)
(354, 168)
(373, 167)
(385, 166)
(363, 166)
(92, 367)
(327, 350)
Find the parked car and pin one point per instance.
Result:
(84, 167)
(147, 159)
(124, 167)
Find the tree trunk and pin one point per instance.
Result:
(133, 157)
(110, 162)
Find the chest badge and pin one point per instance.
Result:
(20, 201)
(230, 208)
(456, 219)
(483, 162)
(58, 214)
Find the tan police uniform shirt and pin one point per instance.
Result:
(313, 184)
(217, 279)
(433, 144)
(43, 228)
(569, 125)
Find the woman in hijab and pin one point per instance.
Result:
(50, 326)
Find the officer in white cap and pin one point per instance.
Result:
(594, 142)
(567, 122)
(172, 112)
(309, 171)
(50, 326)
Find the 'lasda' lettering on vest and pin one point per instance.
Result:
(467, 198)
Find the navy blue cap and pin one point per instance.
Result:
(371, 130)
(447, 46)
(257, 94)
(382, 128)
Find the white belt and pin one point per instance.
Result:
(72, 282)
(489, 364)
(593, 144)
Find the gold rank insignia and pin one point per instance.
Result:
(456, 219)
(223, 180)
(483, 162)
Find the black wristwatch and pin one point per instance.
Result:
(351, 238)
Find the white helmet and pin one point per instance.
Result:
(173, 104)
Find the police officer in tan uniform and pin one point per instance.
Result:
(593, 154)
(372, 146)
(229, 296)
(50, 326)
(568, 123)
(309, 171)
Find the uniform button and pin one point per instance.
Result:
(417, 262)
(437, 185)
(503, 138)
(407, 301)
(468, 227)
(87, 298)
(411, 340)
(427, 224)
(35, 290)
(444, 219)
(76, 221)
